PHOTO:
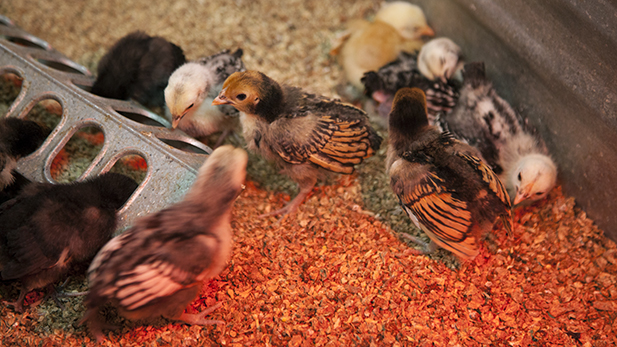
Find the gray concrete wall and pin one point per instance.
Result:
(555, 61)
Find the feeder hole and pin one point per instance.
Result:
(77, 154)
(183, 146)
(133, 166)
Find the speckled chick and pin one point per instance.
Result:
(441, 183)
(50, 229)
(18, 138)
(367, 46)
(304, 134)
(158, 266)
(507, 143)
(190, 92)
(383, 84)
(138, 66)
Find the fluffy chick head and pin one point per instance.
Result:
(252, 92)
(187, 88)
(534, 177)
(223, 171)
(408, 19)
(408, 115)
(440, 58)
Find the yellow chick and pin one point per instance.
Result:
(367, 46)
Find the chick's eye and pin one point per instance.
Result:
(190, 106)
(539, 193)
(519, 176)
(241, 96)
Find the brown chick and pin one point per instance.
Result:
(159, 266)
(441, 183)
(304, 134)
(367, 46)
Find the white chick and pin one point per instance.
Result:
(512, 149)
(440, 58)
(159, 266)
(190, 92)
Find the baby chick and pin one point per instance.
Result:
(446, 190)
(486, 121)
(440, 59)
(190, 92)
(367, 46)
(18, 138)
(408, 19)
(383, 84)
(49, 229)
(304, 134)
(157, 267)
(138, 67)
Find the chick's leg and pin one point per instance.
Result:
(305, 188)
(18, 305)
(96, 324)
(427, 248)
(198, 318)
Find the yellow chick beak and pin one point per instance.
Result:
(221, 100)
(427, 31)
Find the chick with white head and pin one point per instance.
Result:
(190, 92)
(440, 58)
(533, 177)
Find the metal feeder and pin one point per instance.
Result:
(173, 157)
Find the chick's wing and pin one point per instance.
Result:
(328, 134)
(488, 177)
(438, 212)
(25, 254)
(136, 280)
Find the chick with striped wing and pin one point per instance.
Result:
(441, 183)
(159, 266)
(304, 134)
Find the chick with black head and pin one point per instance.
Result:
(441, 183)
(50, 229)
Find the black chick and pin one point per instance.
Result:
(381, 85)
(158, 267)
(138, 66)
(441, 183)
(18, 138)
(49, 229)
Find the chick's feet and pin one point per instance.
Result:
(426, 248)
(199, 318)
(17, 305)
(291, 207)
(96, 324)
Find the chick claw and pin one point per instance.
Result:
(427, 248)
(198, 318)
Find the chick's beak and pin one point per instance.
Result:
(221, 100)
(175, 120)
(521, 195)
(427, 31)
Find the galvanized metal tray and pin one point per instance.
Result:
(173, 157)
